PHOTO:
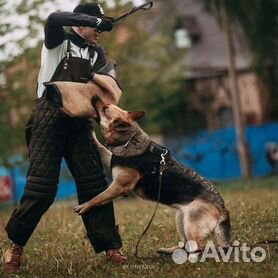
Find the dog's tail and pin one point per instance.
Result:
(223, 229)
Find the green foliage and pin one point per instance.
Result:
(18, 74)
(17, 100)
(258, 20)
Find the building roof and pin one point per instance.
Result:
(207, 56)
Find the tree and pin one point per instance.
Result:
(243, 150)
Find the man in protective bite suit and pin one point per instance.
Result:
(52, 135)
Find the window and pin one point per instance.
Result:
(182, 39)
(186, 31)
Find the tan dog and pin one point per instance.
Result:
(136, 166)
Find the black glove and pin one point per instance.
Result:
(104, 24)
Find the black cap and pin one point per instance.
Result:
(93, 9)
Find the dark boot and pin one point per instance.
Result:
(115, 256)
(12, 258)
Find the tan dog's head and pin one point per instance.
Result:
(117, 125)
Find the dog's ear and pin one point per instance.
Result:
(136, 115)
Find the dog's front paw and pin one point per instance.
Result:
(81, 209)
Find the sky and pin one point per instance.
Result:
(10, 40)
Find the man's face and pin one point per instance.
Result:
(90, 34)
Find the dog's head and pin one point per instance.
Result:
(117, 125)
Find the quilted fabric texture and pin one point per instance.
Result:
(53, 136)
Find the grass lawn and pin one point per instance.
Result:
(58, 248)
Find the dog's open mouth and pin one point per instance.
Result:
(99, 106)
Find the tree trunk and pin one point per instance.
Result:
(242, 146)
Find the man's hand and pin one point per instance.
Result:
(81, 209)
(104, 24)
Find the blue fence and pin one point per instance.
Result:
(66, 188)
(214, 154)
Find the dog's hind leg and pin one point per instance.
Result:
(200, 220)
(223, 229)
(180, 229)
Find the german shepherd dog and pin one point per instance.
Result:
(136, 166)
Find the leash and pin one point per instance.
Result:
(143, 7)
(161, 170)
(268, 242)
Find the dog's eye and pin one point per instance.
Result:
(121, 125)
